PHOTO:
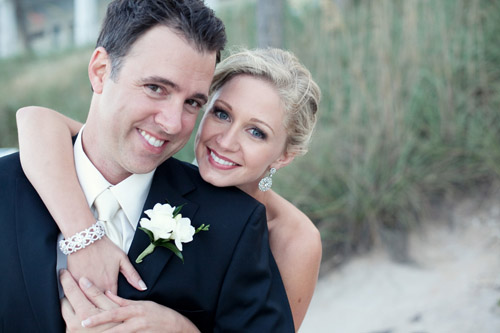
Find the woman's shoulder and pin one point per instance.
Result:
(292, 225)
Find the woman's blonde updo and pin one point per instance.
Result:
(299, 94)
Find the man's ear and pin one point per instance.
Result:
(285, 159)
(99, 69)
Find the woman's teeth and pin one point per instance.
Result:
(220, 160)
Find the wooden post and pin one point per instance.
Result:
(86, 21)
(270, 20)
(8, 29)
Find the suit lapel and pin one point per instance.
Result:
(170, 183)
(37, 238)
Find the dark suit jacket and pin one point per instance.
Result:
(228, 282)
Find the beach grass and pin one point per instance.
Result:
(409, 115)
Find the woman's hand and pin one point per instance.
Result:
(81, 301)
(140, 316)
(101, 262)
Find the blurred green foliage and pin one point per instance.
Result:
(410, 114)
(57, 81)
(410, 109)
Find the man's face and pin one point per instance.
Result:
(147, 113)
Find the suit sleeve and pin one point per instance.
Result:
(253, 298)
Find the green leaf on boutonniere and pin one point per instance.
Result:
(202, 227)
(148, 250)
(149, 233)
(177, 210)
(173, 248)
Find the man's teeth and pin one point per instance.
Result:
(152, 140)
(220, 160)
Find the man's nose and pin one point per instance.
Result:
(169, 118)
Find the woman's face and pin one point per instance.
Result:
(242, 134)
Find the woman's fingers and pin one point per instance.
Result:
(66, 309)
(77, 299)
(131, 274)
(72, 321)
(116, 315)
(96, 296)
(141, 316)
(117, 299)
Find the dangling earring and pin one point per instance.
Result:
(266, 182)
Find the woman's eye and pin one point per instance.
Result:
(257, 133)
(221, 114)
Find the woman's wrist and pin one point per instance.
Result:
(82, 239)
(71, 221)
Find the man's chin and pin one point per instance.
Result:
(147, 166)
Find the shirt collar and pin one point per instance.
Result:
(131, 193)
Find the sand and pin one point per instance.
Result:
(452, 285)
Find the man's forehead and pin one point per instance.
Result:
(161, 52)
(164, 36)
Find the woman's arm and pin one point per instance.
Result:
(46, 153)
(300, 283)
(288, 231)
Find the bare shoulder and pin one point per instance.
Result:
(291, 228)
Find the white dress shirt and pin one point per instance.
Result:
(131, 193)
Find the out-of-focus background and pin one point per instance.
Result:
(402, 177)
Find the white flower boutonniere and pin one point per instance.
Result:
(166, 224)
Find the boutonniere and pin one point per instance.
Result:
(166, 224)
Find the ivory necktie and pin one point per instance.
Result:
(107, 206)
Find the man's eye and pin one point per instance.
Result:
(155, 88)
(194, 103)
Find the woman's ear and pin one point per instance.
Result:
(99, 69)
(285, 159)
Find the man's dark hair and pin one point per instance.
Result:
(127, 20)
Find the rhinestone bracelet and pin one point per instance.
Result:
(82, 239)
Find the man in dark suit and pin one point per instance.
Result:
(150, 74)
